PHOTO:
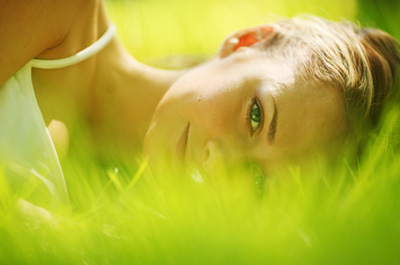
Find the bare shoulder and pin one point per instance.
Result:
(60, 137)
(28, 27)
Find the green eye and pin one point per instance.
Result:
(255, 116)
(259, 183)
(258, 177)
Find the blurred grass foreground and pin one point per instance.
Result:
(124, 214)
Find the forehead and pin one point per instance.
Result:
(311, 117)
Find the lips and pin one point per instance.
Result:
(181, 144)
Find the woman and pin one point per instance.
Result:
(96, 81)
(276, 93)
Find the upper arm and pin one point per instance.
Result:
(28, 27)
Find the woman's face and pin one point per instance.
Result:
(240, 109)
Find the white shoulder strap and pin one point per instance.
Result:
(80, 56)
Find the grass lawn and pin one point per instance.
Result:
(126, 214)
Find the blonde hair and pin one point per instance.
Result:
(363, 63)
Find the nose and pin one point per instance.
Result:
(213, 158)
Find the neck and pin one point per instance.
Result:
(116, 94)
(125, 95)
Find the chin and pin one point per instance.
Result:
(154, 147)
(148, 148)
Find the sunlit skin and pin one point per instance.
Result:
(215, 105)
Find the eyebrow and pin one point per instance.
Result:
(272, 125)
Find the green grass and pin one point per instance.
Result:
(342, 215)
(126, 214)
(154, 29)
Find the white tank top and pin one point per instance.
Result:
(26, 149)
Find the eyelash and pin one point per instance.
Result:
(255, 101)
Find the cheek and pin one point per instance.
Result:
(217, 113)
(208, 103)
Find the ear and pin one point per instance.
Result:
(244, 38)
